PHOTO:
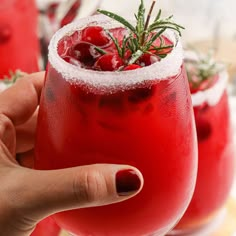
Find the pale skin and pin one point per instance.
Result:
(27, 195)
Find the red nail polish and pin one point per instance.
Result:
(127, 181)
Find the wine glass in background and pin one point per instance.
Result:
(142, 117)
(208, 82)
(55, 14)
(19, 45)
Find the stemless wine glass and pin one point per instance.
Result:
(216, 160)
(142, 117)
(19, 44)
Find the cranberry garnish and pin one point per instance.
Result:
(148, 59)
(95, 35)
(140, 94)
(85, 53)
(108, 62)
(64, 45)
(132, 67)
(203, 129)
(5, 33)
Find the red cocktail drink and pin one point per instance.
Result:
(141, 117)
(216, 156)
(47, 227)
(19, 45)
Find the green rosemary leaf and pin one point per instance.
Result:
(103, 52)
(158, 16)
(124, 43)
(158, 27)
(136, 43)
(140, 19)
(118, 18)
(14, 76)
(153, 39)
(130, 46)
(165, 21)
(170, 17)
(143, 35)
(162, 47)
(135, 57)
(115, 41)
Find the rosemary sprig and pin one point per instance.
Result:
(143, 35)
(13, 77)
(204, 68)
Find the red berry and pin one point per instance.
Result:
(84, 52)
(5, 33)
(148, 59)
(109, 62)
(95, 35)
(64, 45)
(204, 129)
(140, 94)
(132, 67)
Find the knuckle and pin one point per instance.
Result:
(90, 187)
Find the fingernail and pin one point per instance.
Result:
(127, 182)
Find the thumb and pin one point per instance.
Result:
(46, 192)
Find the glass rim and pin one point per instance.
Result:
(212, 95)
(168, 67)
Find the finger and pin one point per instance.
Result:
(7, 133)
(26, 159)
(42, 193)
(19, 102)
(25, 134)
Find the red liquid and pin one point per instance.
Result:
(19, 45)
(150, 127)
(47, 227)
(216, 164)
(76, 128)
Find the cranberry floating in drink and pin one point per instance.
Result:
(120, 96)
(208, 80)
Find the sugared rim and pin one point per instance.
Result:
(212, 95)
(167, 67)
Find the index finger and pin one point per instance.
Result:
(19, 102)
